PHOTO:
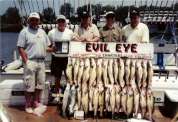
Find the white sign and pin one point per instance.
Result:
(111, 50)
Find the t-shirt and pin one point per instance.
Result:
(56, 36)
(35, 42)
(139, 34)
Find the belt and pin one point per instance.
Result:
(37, 59)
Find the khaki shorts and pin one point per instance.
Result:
(34, 75)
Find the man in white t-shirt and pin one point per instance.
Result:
(135, 32)
(32, 44)
(59, 34)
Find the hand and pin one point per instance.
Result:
(82, 39)
(54, 49)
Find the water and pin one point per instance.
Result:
(8, 42)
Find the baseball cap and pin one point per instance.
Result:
(34, 15)
(61, 17)
(134, 13)
(85, 14)
(110, 14)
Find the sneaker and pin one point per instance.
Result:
(29, 110)
(41, 105)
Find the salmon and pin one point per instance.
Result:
(76, 70)
(127, 71)
(69, 72)
(130, 100)
(150, 103)
(121, 72)
(143, 100)
(92, 73)
(110, 71)
(86, 71)
(115, 67)
(105, 72)
(144, 76)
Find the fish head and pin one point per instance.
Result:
(87, 62)
(93, 62)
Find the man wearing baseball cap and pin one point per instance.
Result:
(32, 45)
(136, 31)
(87, 31)
(110, 32)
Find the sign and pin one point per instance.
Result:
(62, 47)
(111, 50)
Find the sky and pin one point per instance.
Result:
(4, 4)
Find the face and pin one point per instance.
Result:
(33, 22)
(110, 21)
(135, 21)
(61, 24)
(85, 21)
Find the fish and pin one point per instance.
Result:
(136, 101)
(99, 71)
(121, 72)
(138, 73)
(150, 73)
(65, 101)
(76, 71)
(107, 98)
(115, 67)
(110, 71)
(105, 72)
(144, 76)
(73, 61)
(91, 94)
(143, 100)
(124, 99)
(127, 71)
(118, 98)
(69, 72)
(85, 98)
(72, 99)
(150, 103)
(79, 97)
(130, 100)
(95, 100)
(92, 73)
(113, 99)
(80, 72)
(132, 74)
(101, 98)
(86, 71)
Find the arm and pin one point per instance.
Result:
(145, 36)
(23, 54)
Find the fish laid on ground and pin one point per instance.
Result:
(121, 72)
(130, 100)
(76, 70)
(105, 72)
(72, 99)
(124, 99)
(85, 98)
(132, 74)
(150, 103)
(101, 98)
(80, 72)
(110, 71)
(65, 101)
(144, 75)
(95, 100)
(92, 73)
(115, 67)
(113, 99)
(99, 71)
(150, 72)
(127, 71)
(86, 71)
(107, 99)
(138, 73)
(136, 101)
(118, 98)
(143, 101)
(69, 72)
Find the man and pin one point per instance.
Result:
(59, 34)
(86, 31)
(136, 32)
(110, 32)
(32, 45)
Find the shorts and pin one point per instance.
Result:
(58, 64)
(34, 75)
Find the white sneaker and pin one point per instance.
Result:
(29, 110)
(41, 105)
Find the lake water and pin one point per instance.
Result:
(8, 42)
